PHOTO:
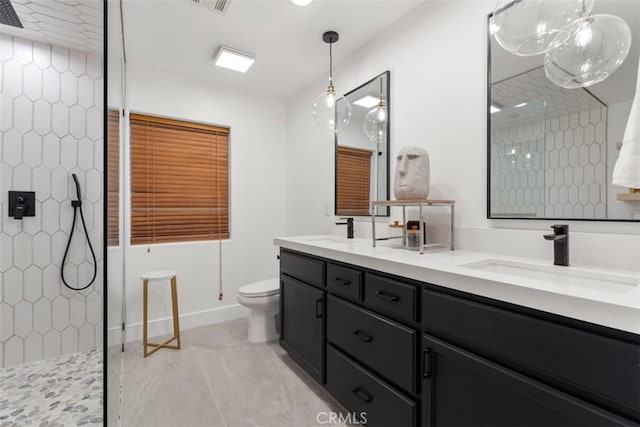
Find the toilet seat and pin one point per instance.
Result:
(262, 288)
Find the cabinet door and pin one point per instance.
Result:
(460, 388)
(302, 324)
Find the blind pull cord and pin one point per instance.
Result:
(220, 294)
(77, 206)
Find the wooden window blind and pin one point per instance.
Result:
(113, 178)
(179, 181)
(353, 181)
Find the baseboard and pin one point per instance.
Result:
(164, 326)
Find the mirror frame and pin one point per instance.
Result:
(387, 211)
(488, 160)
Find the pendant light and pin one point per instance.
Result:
(598, 46)
(375, 122)
(331, 110)
(534, 27)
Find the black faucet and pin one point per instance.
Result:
(560, 239)
(349, 225)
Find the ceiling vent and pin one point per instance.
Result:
(220, 6)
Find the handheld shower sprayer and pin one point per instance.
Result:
(78, 193)
(77, 206)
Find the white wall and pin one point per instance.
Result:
(257, 166)
(437, 57)
(51, 126)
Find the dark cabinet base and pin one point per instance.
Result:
(471, 361)
(462, 389)
(302, 324)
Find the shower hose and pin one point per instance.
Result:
(77, 206)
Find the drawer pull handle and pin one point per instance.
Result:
(364, 337)
(319, 308)
(345, 282)
(362, 395)
(426, 363)
(386, 296)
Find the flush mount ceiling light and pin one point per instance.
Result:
(331, 110)
(494, 109)
(534, 27)
(301, 2)
(367, 101)
(234, 59)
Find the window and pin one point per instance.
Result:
(354, 186)
(179, 181)
(113, 178)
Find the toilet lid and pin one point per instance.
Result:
(262, 288)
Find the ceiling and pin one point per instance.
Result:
(75, 24)
(180, 37)
(543, 100)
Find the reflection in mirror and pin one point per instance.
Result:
(362, 164)
(552, 150)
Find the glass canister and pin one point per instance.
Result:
(413, 238)
(396, 231)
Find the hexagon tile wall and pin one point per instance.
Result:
(51, 125)
(554, 168)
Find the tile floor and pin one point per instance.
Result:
(62, 391)
(219, 379)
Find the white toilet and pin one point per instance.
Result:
(263, 299)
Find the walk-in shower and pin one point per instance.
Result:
(51, 123)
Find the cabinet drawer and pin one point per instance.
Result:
(365, 395)
(386, 347)
(344, 281)
(391, 296)
(307, 269)
(589, 364)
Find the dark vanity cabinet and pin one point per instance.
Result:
(407, 353)
(462, 389)
(302, 311)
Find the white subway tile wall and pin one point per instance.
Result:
(51, 125)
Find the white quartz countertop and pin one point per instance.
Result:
(612, 304)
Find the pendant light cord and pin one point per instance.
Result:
(331, 63)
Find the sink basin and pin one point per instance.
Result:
(329, 240)
(576, 276)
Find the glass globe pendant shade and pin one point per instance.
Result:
(598, 46)
(375, 123)
(331, 111)
(534, 27)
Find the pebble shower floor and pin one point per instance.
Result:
(61, 391)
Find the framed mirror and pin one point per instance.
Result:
(551, 151)
(361, 163)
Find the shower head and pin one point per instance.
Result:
(8, 15)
